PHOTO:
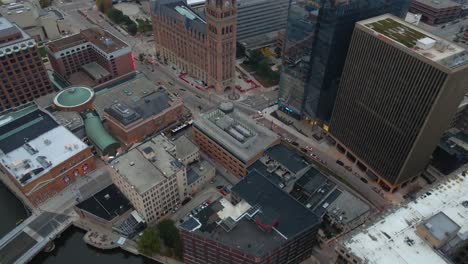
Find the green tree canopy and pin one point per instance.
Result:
(170, 236)
(149, 242)
(255, 56)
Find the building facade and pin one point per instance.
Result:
(259, 21)
(131, 124)
(232, 138)
(91, 57)
(436, 12)
(202, 47)
(23, 76)
(397, 97)
(262, 224)
(186, 151)
(41, 157)
(151, 178)
(315, 49)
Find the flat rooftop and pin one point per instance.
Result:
(139, 95)
(441, 226)
(439, 4)
(66, 42)
(236, 132)
(106, 204)
(292, 216)
(8, 29)
(184, 147)
(393, 239)
(287, 157)
(101, 39)
(395, 30)
(148, 164)
(246, 236)
(197, 170)
(263, 220)
(34, 143)
(95, 70)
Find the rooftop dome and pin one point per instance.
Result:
(73, 97)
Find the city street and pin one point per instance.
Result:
(202, 101)
(329, 155)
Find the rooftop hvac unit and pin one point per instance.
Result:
(236, 134)
(243, 131)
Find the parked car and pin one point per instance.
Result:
(348, 168)
(304, 150)
(219, 187)
(364, 180)
(339, 162)
(186, 200)
(222, 192)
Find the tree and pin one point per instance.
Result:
(103, 5)
(168, 232)
(132, 28)
(178, 248)
(44, 3)
(255, 57)
(263, 67)
(278, 52)
(149, 242)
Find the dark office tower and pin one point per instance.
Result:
(317, 40)
(400, 88)
(23, 76)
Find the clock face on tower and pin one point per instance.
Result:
(227, 4)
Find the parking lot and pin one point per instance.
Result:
(209, 193)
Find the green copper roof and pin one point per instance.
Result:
(98, 134)
(74, 96)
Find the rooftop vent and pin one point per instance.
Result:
(107, 196)
(108, 42)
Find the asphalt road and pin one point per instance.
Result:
(194, 99)
(330, 155)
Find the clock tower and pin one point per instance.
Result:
(221, 19)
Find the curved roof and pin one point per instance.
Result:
(98, 134)
(73, 97)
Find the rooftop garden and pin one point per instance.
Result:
(397, 31)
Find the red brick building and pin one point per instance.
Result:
(23, 76)
(204, 48)
(138, 108)
(232, 138)
(137, 127)
(91, 57)
(436, 12)
(42, 157)
(263, 224)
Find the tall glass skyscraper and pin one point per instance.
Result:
(317, 39)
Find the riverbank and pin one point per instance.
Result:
(103, 239)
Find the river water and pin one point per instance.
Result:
(69, 248)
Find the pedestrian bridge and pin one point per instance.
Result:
(30, 237)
